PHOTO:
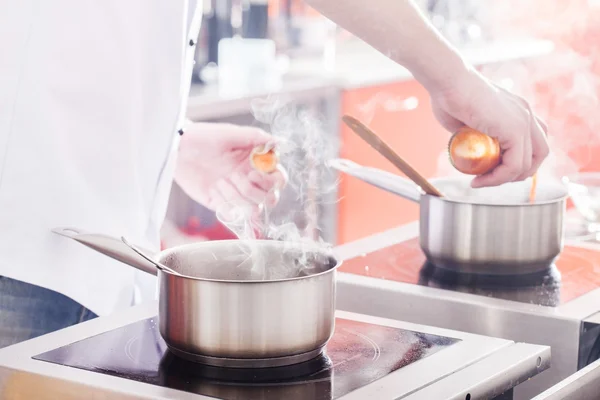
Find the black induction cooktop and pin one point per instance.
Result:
(542, 288)
(358, 354)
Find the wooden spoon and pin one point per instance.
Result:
(382, 148)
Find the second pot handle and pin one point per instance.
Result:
(379, 178)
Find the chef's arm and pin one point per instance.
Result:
(459, 95)
(399, 30)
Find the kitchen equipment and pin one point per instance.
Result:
(472, 152)
(123, 356)
(241, 303)
(584, 189)
(490, 230)
(548, 309)
(582, 385)
(146, 257)
(112, 247)
(541, 288)
(382, 148)
(152, 363)
(559, 308)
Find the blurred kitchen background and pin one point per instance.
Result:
(283, 52)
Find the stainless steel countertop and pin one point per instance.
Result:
(478, 365)
(580, 308)
(558, 327)
(582, 385)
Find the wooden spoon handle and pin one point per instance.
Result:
(380, 146)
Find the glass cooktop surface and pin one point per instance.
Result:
(358, 354)
(575, 273)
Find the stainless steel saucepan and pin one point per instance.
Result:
(238, 304)
(489, 230)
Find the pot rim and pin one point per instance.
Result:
(171, 250)
(559, 199)
(481, 204)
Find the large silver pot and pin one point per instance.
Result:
(257, 303)
(490, 230)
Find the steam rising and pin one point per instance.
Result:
(304, 147)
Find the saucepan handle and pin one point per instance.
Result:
(379, 178)
(109, 246)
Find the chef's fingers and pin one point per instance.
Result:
(245, 137)
(280, 179)
(539, 141)
(524, 103)
(542, 124)
(277, 179)
(527, 159)
(232, 195)
(247, 188)
(540, 148)
(271, 183)
(218, 203)
(214, 198)
(538, 137)
(528, 149)
(273, 197)
(509, 168)
(235, 213)
(257, 178)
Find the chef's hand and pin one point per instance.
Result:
(214, 168)
(472, 100)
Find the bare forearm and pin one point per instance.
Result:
(399, 30)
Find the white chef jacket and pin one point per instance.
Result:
(92, 95)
